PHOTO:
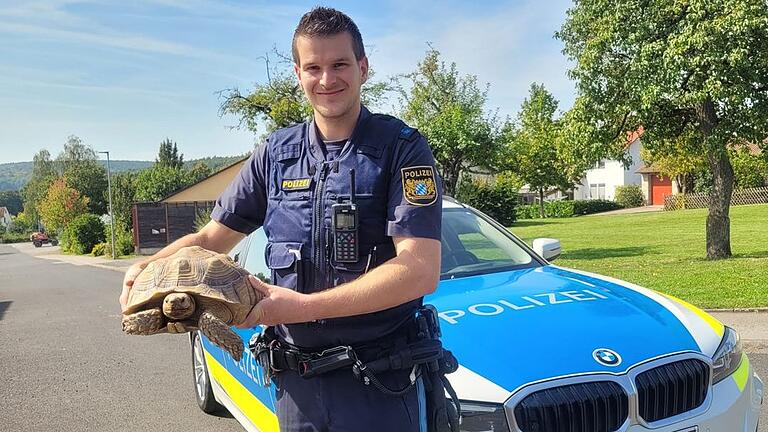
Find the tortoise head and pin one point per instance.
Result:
(178, 306)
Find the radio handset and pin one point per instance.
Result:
(344, 221)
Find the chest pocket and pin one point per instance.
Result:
(291, 177)
(289, 208)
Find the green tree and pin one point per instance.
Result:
(169, 156)
(685, 68)
(750, 171)
(199, 172)
(678, 160)
(533, 148)
(123, 193)
(33, 193)
(79, 165)
(61, 205)
(11, 199)
(448, 109)
(157, 182)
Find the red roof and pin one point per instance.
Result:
(632, 136)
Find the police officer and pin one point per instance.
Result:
(349, 266)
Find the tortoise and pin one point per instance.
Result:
(192, 289)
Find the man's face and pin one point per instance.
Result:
(330, 75)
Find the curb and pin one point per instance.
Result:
(740, 310)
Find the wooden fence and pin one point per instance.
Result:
(701, 200)
(156, 225)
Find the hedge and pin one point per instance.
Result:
(496, 199)
(566, 208)
(11, 237)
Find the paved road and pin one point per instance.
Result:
(66, 366)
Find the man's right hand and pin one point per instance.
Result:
(130, 276)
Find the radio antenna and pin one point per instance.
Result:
(352, 186)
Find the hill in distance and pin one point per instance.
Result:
(15, 175)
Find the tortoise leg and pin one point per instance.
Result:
(220, 334)
(146, 322)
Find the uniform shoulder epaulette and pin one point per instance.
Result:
(408, 133)
(288, 135)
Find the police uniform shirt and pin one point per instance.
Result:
(411, 200)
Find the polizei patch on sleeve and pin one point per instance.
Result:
(419, 187)
(296, 184)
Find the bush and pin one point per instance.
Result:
(594, 206)
(13, 237)
(566, 208)
(629, 196)
(99, 249)
(528, 211)
(82, 234)
(560, 209)
(496, 199)
(123, 241)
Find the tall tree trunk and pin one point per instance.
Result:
(541, 202)
(718, 221)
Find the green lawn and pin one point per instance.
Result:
(665, 251)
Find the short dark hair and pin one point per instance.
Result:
(323, 22)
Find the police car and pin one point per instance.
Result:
(542, 348)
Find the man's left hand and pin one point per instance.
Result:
(279, 306)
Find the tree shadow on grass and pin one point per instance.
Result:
(530, 222)
(600, 253)
(761, 254)
(3, 307)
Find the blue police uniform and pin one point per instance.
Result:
(288, 186)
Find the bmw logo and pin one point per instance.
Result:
(606, 357)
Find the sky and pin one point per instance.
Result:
(125, 75)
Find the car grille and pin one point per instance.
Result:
(600, 406)
(672, 389)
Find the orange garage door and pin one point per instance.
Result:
(660, 187)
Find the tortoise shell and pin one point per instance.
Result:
(208, 276)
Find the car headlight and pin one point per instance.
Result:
(482, 417)
(727, 358)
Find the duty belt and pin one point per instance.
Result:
(420, 351)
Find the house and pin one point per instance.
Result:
(601, 181)
(157, 224)
(5, 217)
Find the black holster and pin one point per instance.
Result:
(442, 411)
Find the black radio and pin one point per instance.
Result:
(344, 221)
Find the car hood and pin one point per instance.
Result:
(513, 328)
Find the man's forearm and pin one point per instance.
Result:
(401, 279)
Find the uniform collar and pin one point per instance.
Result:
(315, 142)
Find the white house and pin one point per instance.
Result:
(5, 217)
(601, 181)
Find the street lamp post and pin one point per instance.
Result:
(111, 214)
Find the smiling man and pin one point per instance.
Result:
(351, 206)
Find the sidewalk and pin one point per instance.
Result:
(54, 253)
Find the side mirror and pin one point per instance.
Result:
(547, 248)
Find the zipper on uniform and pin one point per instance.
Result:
(318, 219)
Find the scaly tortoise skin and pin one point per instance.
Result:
(190, 290)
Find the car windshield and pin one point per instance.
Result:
(471, 245)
